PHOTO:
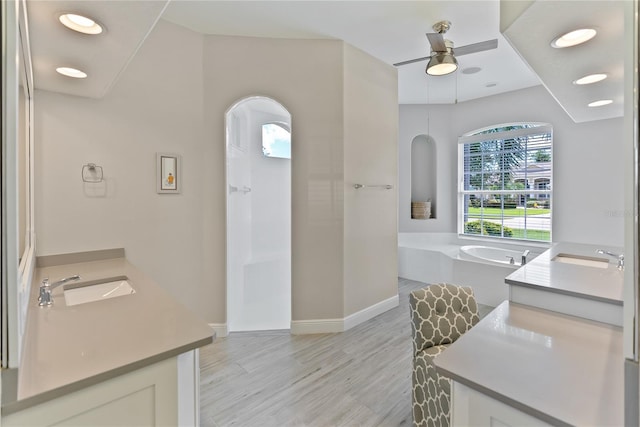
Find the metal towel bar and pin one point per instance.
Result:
(385, 186)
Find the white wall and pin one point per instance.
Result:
(156, 106)
(305, 77)
(238, 232)
(370, 157)
(434, 121)
(270, 195)
(341, 101)
(173, 97)
(588, 202)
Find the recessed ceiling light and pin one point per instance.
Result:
(600, 103)
(80, 23)
(71, 72)
(471, 70)
(591, 78)
(573, 38)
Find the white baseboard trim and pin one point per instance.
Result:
(318, 326)
(328, 326)
(220, 329)
(370, 312)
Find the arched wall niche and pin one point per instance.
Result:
(424, 177)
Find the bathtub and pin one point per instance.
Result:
(443, 257)
(491, 255)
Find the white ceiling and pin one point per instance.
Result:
(102, 57)
(392, 31)
(558, 68)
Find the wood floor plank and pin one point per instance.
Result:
(361, 377)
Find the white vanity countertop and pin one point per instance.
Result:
(602, 284)
(69, 348)
(561, 369)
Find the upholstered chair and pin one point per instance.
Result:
(440, 314)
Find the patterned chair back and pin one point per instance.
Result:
(440, 314)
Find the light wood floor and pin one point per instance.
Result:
(361, 377)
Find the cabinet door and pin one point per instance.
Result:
(146, 397)
(472, 408)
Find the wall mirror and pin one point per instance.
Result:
(18, 239)
(24, 174)
(25, 151)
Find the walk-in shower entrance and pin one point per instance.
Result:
(258, 150)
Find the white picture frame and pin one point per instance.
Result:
(168, 173)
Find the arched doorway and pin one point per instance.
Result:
(258, 175)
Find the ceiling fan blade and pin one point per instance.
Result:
(437, 42)
(411, 61)
(437, 45)
(475, 47)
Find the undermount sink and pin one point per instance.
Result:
(582, 260)
(97, 290)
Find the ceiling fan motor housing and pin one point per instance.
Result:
(449, 46)
(441, 27)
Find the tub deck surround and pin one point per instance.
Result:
(68, 348)
(600, 284)
(437, 257)
(560, 369)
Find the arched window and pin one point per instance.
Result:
(276, 140)
(505, 182)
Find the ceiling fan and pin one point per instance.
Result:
(443, 55)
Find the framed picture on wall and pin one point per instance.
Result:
(168, 173)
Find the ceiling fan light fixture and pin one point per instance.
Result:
(80, 23)
(441, 63)
(573, 38)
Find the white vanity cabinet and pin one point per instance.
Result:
(145, 397)
(165, 393)
(573, 279)
(522, 365)
(127, 361)
(472, 408)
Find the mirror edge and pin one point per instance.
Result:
(16, 276)
(26, 267)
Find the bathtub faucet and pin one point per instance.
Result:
(620, 257)
(525, 254)
(44, 297)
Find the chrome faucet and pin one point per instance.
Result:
(44, 297)
(620, 257)
(511, 260)
(525, 254)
